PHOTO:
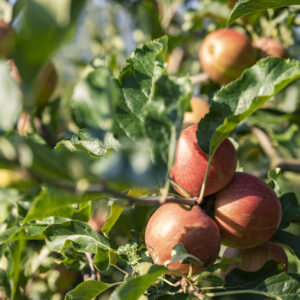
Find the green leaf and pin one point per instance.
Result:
(152, 104)
(289, 239)
(56, 202)
(179, 254)
(102, 259)
(46, 24)
(94, 99)
(290, 209)
(245, 7)
(84, 142)
(114, 214)
(130, 253)
(79, 234)
(133, 288)
(236, 101)
(87, 290)
(283, 286)
(27, 232)
(15, 265)
(10, 99)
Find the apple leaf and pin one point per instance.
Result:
(284, 286)
(102, 259)
(289, 239)
(134, 287)
(15, 233)
(180, 254)
(236, 101)
(245, 7)
(152, 104)
(88, 290)
(10, 99)
(79, 234)
(114, 214)
(46, 24)
(290, 209)
(49, 203)
(15, 265)
(94, 98)
(86, 143)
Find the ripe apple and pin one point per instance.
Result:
(247, 212)
(225, 54)
(8, 39)
(270, 47)
(253, 259)
(199, 109)
(98, 220)
(45, 84)
(191, 162)
(172, 224)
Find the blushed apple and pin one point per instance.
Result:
(172, 224)
(268, 46)
(253, 259)
(225, 54)
(247, 212)
(188, 170)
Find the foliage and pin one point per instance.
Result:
(77, 178)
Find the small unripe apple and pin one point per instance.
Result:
(45, 84)
(188, 170)
(270, 47)
(8, 39)
(225, 54)
(199, 109)
(247, 212)
(66, 278)
(172, 224)
(253, 259)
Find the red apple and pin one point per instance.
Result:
(247, 212)
(253, 259)
(7, 39)
(171, 224)
(225, 54)
(191, 162)
(199, 109)
(270, 47)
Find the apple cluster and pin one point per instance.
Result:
(247, 212)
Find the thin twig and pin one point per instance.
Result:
(94, 274)
(199, 78)
(175, 60)
(119, 269)
(276, 160)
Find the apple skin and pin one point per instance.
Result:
(8, 39)
(225, 54)
(247, 212)
(270, 47)
(171, 224)
(199, 109)
(253, 259)
(188, 170)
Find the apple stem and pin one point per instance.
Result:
(201, 196)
